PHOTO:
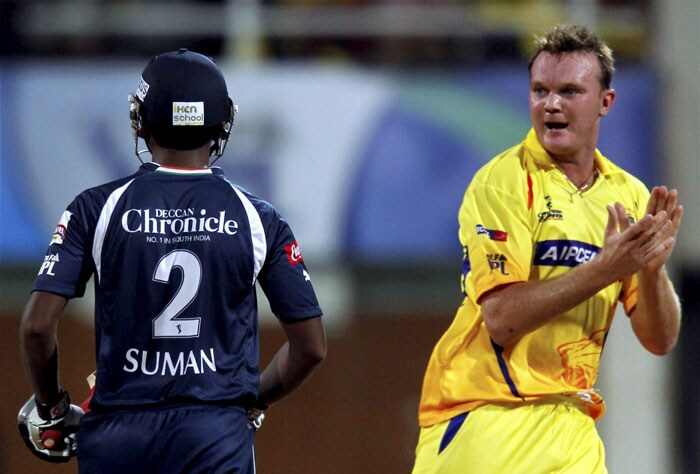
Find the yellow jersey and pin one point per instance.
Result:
(522, 220)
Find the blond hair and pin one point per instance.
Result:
(568, 38)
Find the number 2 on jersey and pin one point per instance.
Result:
(167, 324)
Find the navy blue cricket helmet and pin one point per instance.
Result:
(182, 100)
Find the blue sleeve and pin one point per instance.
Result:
(284, 277)
(68, 264)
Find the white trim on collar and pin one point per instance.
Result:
(182, 171)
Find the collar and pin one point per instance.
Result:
(541, 157)
(158, 168)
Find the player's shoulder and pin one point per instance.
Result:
(244, 193)
(622, 178)
(503, 170)
(263, 207)
(98, 195)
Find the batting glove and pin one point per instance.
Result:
(50, 431)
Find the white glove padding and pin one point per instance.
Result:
(255, 418)
(257, 422)
(52, 439)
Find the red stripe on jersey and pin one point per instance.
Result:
(530, 194)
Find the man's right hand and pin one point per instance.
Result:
(50, 432)
(628, 246)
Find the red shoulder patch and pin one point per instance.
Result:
(293, 253)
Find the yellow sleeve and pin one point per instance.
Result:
(495, 230)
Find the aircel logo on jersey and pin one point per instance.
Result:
(564, 253)
(61, 228)
(176, 221)
(188, 113)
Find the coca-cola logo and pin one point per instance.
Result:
(293, 253)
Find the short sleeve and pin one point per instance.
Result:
(494, 228)
(284, 278)
(68, 264)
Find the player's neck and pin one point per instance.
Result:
(578, 165)
(197, 158)
(582, 175)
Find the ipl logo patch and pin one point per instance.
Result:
(497, 261)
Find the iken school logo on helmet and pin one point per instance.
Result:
(188, 113)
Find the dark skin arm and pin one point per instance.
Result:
(38, 346)
(294, 361)
(291, 366)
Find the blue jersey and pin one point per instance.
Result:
(175, 256)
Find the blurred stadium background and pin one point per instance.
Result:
(363, 121)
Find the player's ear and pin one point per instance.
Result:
(144, 132)
(608, 98)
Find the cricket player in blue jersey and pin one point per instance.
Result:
(175, 251)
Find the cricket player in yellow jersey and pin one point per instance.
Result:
(554, 236)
